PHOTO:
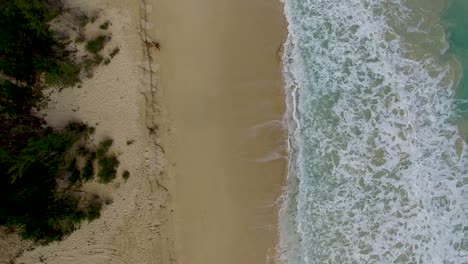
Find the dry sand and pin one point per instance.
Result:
(222, 88)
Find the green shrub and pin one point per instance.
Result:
(89, 64)
(98, 59)
(30, 198)
(82, 151)
(104, 25)
(88, 170)
(126, 175)
(104, 147)
(114, 52)
(97, 44)
(107, 168)
(75, 172)
(94, 211)
(27, 45)
(77, 127)
(63, 74)
(58, 220)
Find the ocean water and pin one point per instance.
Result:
(378, 123)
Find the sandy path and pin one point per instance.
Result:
(222, 88)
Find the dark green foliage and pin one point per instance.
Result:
(97, 44)
(15, 131)
(89, 64)
(126, 175)
(107, 168)
(78, 128)
(104, 147)
(104, 25)
(114, 52)
(27, 45)
(107, 163)
(88, 170)
(63, 74)
(75, 172)
(39, 169)
(50, 223)
(94, 210)
(98, 59)
(82, 150)
(29, 195)
(17, 100)
(42, 151)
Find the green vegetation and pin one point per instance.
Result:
(104, 147)
(114, 52)
(95, 45)
(42, 168)
(30, 197)
(104, 25)
(108, 163)
(107, 168)
(126, 175)
(94, 210)
(75, 172)
(28, 48)
(63, 74)
(88, 170)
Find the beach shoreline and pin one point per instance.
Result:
(197, 90)
(224, 136)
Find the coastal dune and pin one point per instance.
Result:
(224, 139)
(135, 227)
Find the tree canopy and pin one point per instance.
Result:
(27, 46)
(39, 175)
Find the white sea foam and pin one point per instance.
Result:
(271, 124)
(378, 171)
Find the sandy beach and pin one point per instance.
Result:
(222, 90)
(197, 90)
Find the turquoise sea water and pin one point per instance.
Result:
(378, 111)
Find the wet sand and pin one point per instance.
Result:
(222, 96)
